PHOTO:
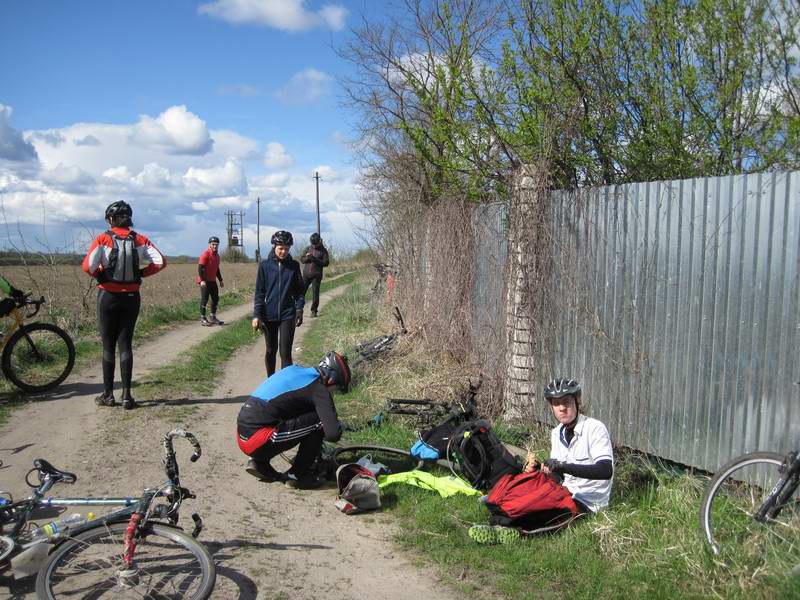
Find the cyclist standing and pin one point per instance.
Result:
(294, 407)
(279, 301)
(119, 258)
(315, 259)
(208, 272)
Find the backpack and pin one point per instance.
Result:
(481, 455)
(123, 261)
(516, 497)
(358, 489)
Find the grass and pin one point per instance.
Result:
(646, 545)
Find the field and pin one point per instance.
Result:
(70, 293)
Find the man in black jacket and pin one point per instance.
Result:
(315, 258)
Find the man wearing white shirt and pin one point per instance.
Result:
(580, 448)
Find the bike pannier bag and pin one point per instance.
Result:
(358, 489)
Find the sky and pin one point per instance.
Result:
(186, 109)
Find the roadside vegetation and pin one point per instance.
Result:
(646, 545)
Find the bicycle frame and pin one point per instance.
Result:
(137, 510)
(18, 318)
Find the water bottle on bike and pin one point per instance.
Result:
(57, 526)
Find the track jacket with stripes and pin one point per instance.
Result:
(289, 393)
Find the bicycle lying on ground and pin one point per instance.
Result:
(137, 551)
(372, 349)
(750, 504)
(36, 357)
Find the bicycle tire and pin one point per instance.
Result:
(397, 460)
(733, 495)
(89, 565)
(26, 365)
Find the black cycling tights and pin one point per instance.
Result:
(273, 330)
(116, 317)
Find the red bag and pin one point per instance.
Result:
(515, 496)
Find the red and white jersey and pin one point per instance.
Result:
(151, 261)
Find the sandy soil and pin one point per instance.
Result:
(268, 541)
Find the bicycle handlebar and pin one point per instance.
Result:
(170, 463)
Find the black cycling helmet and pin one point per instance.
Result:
(315, 239)
(282, 238)
(560, 387)
(335, 370)
(120, 208)
(213, 238)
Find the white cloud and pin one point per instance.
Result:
(226, 180)
(272, 181)
(89, 140)
(287, 15)
(67, 178)
(276, 156)
(326, 173)
(177, 130)
(12, 145)
(305, 87)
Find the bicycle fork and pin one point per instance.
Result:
(129, 574)
(782, 490)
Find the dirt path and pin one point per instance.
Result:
(268, 541)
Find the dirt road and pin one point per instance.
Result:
(268, 541)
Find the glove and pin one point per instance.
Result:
(298, 320)
(555, 466)
(17, 295)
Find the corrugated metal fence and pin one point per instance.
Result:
(683, 319)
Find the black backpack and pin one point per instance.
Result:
(123, 261)
(481, 456)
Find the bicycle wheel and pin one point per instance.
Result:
(38, 357)
(394, 459)
(731, 499)
(169, 564)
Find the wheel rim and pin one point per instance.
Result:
(734, 535)
(167, 565)
(40, 359)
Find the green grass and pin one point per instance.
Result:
(646, 545)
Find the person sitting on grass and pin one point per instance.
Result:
(293, 407)
(581, 462)
(580, 448)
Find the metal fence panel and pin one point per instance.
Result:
(688, 328)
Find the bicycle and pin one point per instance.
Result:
(372, 349)
(136, 551)
(36, 357)
(750, 506)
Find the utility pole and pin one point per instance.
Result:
(316, 176)
(258, 230)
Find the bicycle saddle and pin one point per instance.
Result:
(45, 467)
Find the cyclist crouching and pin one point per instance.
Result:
(293, 407)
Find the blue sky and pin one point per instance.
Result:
(184, 108)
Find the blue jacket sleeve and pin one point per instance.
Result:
(261, 291)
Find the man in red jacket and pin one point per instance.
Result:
(207, 274)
